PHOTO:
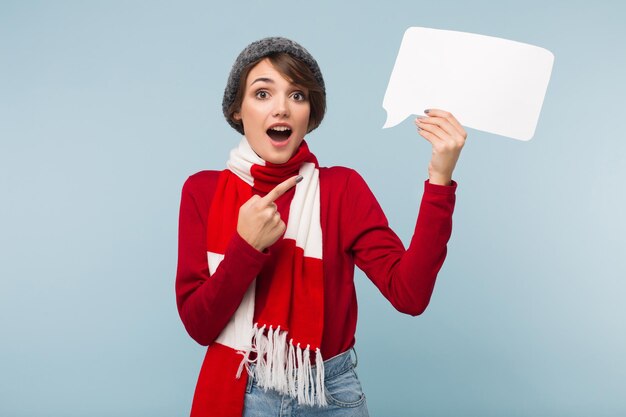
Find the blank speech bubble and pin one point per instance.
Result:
(490, 84)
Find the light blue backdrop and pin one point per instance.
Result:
(107, 107)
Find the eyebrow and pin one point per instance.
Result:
(267, 80)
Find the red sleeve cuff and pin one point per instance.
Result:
(243, 249)
(440, 189)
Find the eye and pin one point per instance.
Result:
(299, 96)
(262, 94)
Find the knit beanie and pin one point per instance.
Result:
(254, 52)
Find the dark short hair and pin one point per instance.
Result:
(296, 72)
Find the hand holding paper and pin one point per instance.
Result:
(488, 83)
(447, 137)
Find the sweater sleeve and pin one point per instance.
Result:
(405, 277)
(206, 303)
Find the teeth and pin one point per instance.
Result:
(280, 128)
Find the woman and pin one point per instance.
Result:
(267, 247)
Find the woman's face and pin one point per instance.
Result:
(274, 112)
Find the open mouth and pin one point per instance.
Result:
(279, 133)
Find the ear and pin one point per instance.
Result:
(237, 116)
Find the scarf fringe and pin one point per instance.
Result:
(284, 367)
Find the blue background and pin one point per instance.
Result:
(107, 107)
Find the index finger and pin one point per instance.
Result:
(446, 115)
(280, 189)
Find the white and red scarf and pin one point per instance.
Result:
(279, 324)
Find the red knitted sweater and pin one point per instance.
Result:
(356, 231)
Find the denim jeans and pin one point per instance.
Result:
(343, 393)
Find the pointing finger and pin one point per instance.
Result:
(280, 189)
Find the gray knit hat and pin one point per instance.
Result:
(254, 52)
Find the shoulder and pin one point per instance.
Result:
(201, 181)
(338, 175)
(344, 187)
(198, 190)
(343, 177)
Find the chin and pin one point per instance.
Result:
(278, 157)
(277, 161)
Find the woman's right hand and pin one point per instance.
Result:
(259, 221)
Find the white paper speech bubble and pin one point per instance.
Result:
(490, 84)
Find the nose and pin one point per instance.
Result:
(281, 108)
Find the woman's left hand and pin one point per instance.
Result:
(447, 138)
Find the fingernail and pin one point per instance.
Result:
(426, 111)
(298, 178)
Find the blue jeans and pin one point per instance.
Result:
(343, 393)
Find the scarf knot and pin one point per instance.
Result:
(263, 176)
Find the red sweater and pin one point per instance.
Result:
(355, 231)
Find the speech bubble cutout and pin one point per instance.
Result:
(490, 84)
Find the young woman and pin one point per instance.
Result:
(267, 247)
